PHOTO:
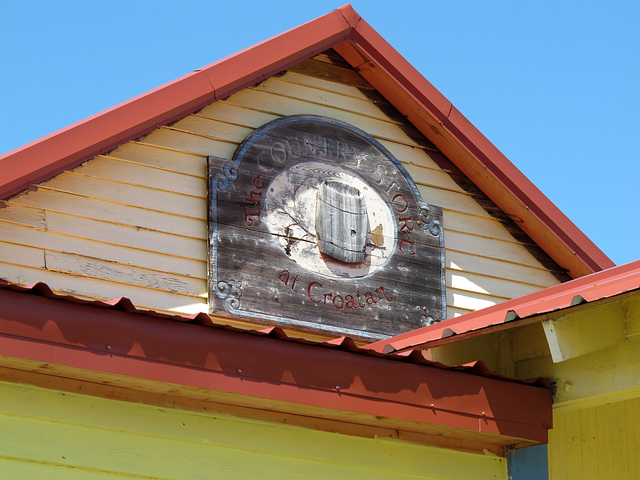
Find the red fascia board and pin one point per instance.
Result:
(516, 183)
(267, 58)
(596, 286)
(485, 153)
(69, 147)
(85, 337)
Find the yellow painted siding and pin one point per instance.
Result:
(54, 435)
(601, 442)
(133, 223)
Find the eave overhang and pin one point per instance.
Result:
(102, 345)
(383, 67)
(550, 303)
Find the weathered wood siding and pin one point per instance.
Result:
(133, 222)
(54, 435)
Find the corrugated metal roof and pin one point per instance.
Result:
(46, 334)
(343, 343)
(597, 286)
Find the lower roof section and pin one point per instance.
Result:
(515, 312)
(152, 358)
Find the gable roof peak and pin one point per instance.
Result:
(380, 64)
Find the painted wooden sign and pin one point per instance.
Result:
(315, 224)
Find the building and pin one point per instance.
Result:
(170, 297)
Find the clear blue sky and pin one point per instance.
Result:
(555, 85)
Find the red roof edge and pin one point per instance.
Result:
(526, 192)
(487, 155)
(81, 141)
(69, 147)
(607, 283)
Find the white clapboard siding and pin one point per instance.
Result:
(142, 175)
(132, 222)
(322, 84)
(517, 272)
(161, 157)
(192, 142)
(101, 289)
(238, 115)
(214, 128)
(276, 104)
(133, 195)
(114, 211)
(111, 251)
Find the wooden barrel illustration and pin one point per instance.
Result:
(341, 221)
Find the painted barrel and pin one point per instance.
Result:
(341, 221)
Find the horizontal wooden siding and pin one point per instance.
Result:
(133, 222)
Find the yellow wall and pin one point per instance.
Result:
(596, 443)
(596, 431)
(54, 435)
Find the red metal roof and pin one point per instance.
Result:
(605, 284)
(344, 30)
(347, 344)
(40, 326)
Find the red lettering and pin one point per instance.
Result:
(404, 225)
(249, 216)
(293, 284)
(405, 203)
(284, 277)
(349, 301)
(358, 297)
(369, 297)
(309, 291)
(383, 293)
(341, 302)
(407, 242)
(251, 198)
(327, 295)
(257, 183)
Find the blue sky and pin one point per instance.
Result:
(553, 84)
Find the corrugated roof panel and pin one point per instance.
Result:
(343, 343)
(597, 286)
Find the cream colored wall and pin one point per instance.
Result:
(54, 435)
(133, 223)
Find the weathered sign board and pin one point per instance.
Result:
(314, 224)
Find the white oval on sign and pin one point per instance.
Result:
(290, 213)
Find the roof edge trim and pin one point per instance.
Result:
(99, 133)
